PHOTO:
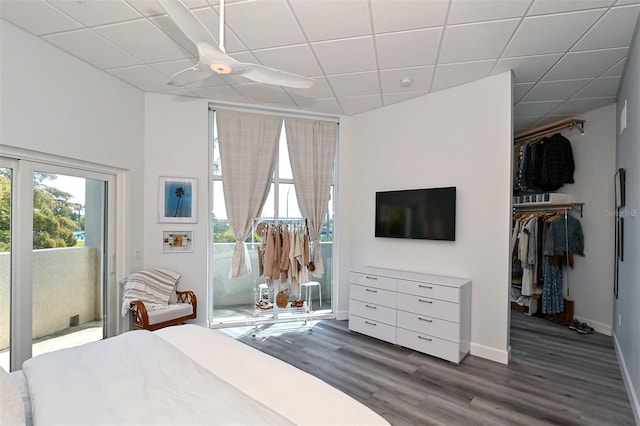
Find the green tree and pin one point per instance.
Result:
(5, 217)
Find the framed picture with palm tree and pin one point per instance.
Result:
(178, 200)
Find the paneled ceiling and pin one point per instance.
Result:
(567, 55)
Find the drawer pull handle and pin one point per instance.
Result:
(372, 307)
(370, 323)
(425, 319)
(371, 278)
(430, 287)
(425, 338)
(372, 291)
(425, 301)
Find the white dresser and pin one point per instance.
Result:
(427, 313)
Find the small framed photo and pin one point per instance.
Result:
(177, 241)
(178, 200)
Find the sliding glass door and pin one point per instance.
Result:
(68, 260)
(56, 236)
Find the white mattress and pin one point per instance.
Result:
(289, 391)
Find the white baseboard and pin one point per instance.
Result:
(342, 315)
(491, 354)
(628, 383)
(597, 326)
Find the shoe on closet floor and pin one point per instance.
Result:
(573, 325)
(584, 329)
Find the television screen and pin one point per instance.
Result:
(428, 214)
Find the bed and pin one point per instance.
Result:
(177, 375)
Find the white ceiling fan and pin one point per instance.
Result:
(212, 58)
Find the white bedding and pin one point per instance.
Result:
(135, 378)
(181, 375)
(299, 396)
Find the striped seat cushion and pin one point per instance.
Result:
(153, 287)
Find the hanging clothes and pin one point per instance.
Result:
(544, 165)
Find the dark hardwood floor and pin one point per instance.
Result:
(556, 376)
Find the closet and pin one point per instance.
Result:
(546, 228)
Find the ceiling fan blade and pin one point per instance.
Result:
(190, 75)
(188, 23)
(268, 75)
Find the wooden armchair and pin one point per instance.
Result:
(184, 309)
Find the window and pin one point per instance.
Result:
(234, 300)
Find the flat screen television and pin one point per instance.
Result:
(426, 214)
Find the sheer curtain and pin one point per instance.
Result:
(248, 145)
(312, 146)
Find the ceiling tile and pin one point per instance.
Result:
(554, 6)
(528, 68)
(169, 27)
(153, 7)
(473, 42)
(264, 24)
(220, 94)
(392, 98)
(143, 77)
(408, 49)
(615, 29)
(144, 40)
(449, 75)
(521, 124)
(562, 31)
(332, 19)
(535, 109)
(296, 59)
(92, 48)
(402, 15)
(588, 64)
(346, 56)
(600, 88)
(358, 84)
(625, 2)
(580, 106)
(326, 106)
(358, 104)
(257, 92)
(320, 90)
(519, 90)
(463, 11)
(97, 12)
(616, 70)
(555, 90)
(420, 76)
(37, 16)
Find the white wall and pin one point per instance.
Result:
(176, 145)
(590, 282)
(626, 311)
(53, 103)
(457, 137)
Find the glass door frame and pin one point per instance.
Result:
(21, 328)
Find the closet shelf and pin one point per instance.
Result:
(549, 130)
(549, 207)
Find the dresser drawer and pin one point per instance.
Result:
(430, 307)
(373, 295)
(376, 281)
(429, 344)
(435, 291)
(371, 311)
(376, 329)
(428, 325)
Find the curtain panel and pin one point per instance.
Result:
(312, 146)
(248, 144)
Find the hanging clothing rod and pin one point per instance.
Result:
(549, 130)
(550, 208)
